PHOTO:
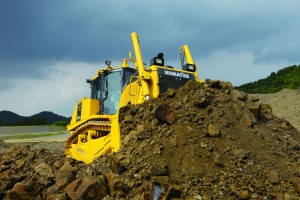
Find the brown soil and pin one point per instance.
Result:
(204, 141)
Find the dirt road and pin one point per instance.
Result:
(58, 138)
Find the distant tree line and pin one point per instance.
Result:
(26, 121)
(288, 77)
(32, 121)
(60, 123)
(8, 118)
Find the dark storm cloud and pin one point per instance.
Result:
(46, 30)
(32, 32)
(35, 34)
(48, 48)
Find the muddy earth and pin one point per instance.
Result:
(203, 141)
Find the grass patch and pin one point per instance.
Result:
(29, 135)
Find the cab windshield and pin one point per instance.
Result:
(112, 88)
(107, 88)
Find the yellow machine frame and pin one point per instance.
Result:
(94, 134)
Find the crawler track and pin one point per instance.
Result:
(84, 136)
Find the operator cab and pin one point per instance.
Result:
(107, 88)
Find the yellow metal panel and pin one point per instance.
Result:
(73, 119)
(188, 54)
(115, 134)
(131, 93)
(89, 107)
(143, 75)
(153, 85)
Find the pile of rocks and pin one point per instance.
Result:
(203, 141)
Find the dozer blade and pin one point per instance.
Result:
(91, 140)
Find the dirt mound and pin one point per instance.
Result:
(204, 141)
(285, 104)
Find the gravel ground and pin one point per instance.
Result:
(13, 130)
(59, 138)
(285, 104)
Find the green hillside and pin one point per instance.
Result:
(288, 77)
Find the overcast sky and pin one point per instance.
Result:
(49, 48)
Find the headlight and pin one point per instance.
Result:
(189, 67)
(158, 60)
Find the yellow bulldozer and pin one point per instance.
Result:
(94, 127)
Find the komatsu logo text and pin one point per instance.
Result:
(178, 74)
